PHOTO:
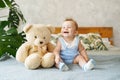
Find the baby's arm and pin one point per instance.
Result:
(83, 52)
(90, 64)
(57, 52)
(59, 63)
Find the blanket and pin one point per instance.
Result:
(107, 68)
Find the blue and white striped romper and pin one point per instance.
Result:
(69, 51)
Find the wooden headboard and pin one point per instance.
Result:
(105, 32)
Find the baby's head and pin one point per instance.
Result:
(72, 22)
(69, 27)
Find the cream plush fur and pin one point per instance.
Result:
(36, 51)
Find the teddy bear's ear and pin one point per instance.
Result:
(27, 28)
(52, 29)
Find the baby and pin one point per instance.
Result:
(69, 49)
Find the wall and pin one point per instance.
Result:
(85, 12)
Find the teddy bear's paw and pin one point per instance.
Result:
(33, 61)
(48, 60)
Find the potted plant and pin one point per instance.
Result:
(10, 38)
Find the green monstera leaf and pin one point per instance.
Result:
(10, 39)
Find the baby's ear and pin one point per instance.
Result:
(27, 28)
(51, 28)
(76, 33)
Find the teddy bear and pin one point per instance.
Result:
(37, 50)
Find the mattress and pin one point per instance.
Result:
(107, 68)
(112, 50)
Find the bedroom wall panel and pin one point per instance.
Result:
(85, 12)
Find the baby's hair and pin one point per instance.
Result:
(70, 19)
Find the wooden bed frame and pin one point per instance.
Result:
(105, 32)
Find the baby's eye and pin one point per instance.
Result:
(69, 26)
(35, 36)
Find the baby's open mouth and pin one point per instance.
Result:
(66, 32)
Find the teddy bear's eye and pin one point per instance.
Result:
(43, 37)
(35, 36)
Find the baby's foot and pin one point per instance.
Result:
(89, 65)
(63, 67)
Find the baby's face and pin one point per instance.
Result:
(68, 29)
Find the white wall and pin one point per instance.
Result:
(85, 12)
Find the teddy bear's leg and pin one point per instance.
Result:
(33, 61)
(48, 60)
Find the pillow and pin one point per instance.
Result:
(106, 42)
(92, 41)
(54, 38)
(85, 41)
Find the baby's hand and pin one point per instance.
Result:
(57, 59)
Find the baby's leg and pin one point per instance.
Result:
(62, 66)
(79, 60)
(89, 65)
(84, 64)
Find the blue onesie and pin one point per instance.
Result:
(69, 51)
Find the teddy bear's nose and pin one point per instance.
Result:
(41, 42)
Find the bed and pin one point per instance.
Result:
(107, 63)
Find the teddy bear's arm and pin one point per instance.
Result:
(50, 47)
(23, 52)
